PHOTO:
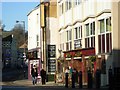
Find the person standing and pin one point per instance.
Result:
(43, 76)
(34, 74)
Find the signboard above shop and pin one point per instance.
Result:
(79, 52)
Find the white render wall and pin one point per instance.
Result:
(88, 8)
(33, 28)
(83, 10)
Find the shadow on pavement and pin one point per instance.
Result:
(14, 74)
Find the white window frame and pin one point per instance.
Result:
(89, 33)
(69, 38)
(105, 32)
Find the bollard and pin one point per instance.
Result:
(73, 80)
(90, 82)
(66, 80)
(80, 79)
(110, 74)
(98, 79)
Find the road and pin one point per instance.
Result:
(43, 88)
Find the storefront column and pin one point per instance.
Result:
(116, 33)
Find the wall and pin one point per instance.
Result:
(33, 28)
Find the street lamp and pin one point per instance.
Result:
(24, 37)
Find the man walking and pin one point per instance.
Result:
(43, 76)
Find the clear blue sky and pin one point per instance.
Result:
(12, 11)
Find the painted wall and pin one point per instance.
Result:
(34, 28)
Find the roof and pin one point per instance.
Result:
(8, 38)
(34, 9)
(23, 46)
(6, 33)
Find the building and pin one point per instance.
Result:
(22, 58)
(34, 40)
(1, 63)
(50, 39)
(89, 35)
(9, 50)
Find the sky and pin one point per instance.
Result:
(12, 10)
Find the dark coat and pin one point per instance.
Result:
(43, 73)
(34, 72)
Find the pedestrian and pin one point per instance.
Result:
(43, 76)
(34, 74)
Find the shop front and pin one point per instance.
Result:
(33, 60)
(81, 60)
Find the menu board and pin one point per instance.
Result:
(51, 58)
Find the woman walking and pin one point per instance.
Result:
(34, 74)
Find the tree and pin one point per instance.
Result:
(19, 34)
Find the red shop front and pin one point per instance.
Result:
(33, 60)
(81, 60)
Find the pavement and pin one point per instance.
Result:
(28, 83)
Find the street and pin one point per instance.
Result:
(43, 88)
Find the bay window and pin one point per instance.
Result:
(78, 37)
(104, 37)
(69, 40)
(90, 35)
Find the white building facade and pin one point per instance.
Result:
(34, 40)
(85, 24)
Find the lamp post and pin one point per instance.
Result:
(23, 37)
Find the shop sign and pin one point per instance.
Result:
(88, 52)
(77, 44)
(51, 51)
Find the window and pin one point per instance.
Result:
(76, 33)
(90, 35)
(66, 5)
(77, 2)
(87, 29)
(70, 4)
(80, 32)
(61, 9)
(37, 40)
(78, 37)
(102, 26)
(108, 24)
(69, 40)
(92, 28)
(104, 37)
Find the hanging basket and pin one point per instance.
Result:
(92, 58)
